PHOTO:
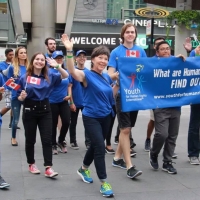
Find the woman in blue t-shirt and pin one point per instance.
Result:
(36, 86)
(16, 70)
(97, 111)
(59, 106)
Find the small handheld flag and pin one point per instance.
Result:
(12, 85)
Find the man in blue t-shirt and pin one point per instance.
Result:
(126, 120)
(9, 54)
(167, 122)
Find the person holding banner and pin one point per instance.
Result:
(167, 122)
(15, 71)
(59, 106)
(96, 119)
(194, 127)
(36, 86)
(126, 120)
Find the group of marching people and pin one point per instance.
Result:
(53, 92)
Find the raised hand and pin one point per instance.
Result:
(187, 45)
(67, 42)
(51, 62)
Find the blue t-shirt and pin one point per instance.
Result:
(60, 91)
(121, 51)
(98, 96)
(1, 84)
(192, 53)
(22, 71)
(41, 91)
(78, 91)
(3, 66)
(111, 82)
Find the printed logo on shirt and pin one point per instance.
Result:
(132, 53)
(33, 80)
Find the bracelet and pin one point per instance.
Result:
(70, 51)
(57, 66)
(71, 103)
(69, 56)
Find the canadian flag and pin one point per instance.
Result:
(132, 53)
(12, 85)
(33, 80)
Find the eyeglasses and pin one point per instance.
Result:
(81, 56)
(165, 49)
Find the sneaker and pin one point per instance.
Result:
(133, 172)
(74, 146)
(54, 150)
(119, 163)
(175, 155)
(133, 152)
(194, 160)
(85, 175)
(168, 167)
(147, 145)
(109, 151)
(106, 190)
(62, 147)
(153, 161)
(3, 183)
(65, 141)
(49, 172)
(116, 142)
(33, 169)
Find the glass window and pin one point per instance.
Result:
(3, 6)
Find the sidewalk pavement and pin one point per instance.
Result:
(151, 185)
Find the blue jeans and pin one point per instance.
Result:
(16, 107)
(97, 129)
(193, 132)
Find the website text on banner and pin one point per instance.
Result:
(148, 83)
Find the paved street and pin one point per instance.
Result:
(151, 185)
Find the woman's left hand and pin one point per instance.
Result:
(51, 62)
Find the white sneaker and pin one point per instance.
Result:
(194, 160)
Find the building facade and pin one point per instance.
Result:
(95, 22)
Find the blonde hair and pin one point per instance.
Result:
(16, 61)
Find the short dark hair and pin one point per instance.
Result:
(100, 50)
(47, 40)
(7, 51)
(158, 38)
(160, 43)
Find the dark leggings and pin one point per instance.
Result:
(108, 137)
(60, 109)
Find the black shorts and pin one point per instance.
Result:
(125, 119)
